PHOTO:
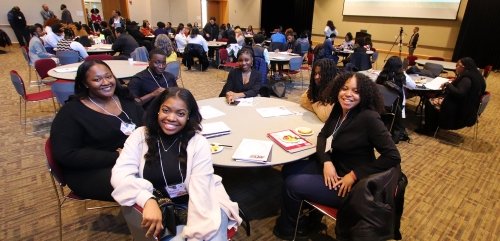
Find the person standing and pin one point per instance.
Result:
(65, 15)
(329, 29)
(47, 13)
(18, 23)
(413, 41)
(211, 32)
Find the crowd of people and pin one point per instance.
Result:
(132, 143)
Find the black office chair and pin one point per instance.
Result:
(391, 103)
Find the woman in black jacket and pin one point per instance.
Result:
(457, 108)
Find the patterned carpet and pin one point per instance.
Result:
(453, 192)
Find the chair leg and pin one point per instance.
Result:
(245, 220)
(297, 221)
(436, 131)
(59, 208)
(25, 117)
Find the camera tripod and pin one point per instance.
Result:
(400, 38)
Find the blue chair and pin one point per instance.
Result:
(67, 57)
(175, 69)
(140, 54)
(62, 90)
(295, 64)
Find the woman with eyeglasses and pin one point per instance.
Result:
(89, 131)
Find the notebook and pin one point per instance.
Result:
(251, 150)
(215, 129)
(290, 141)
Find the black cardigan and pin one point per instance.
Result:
(235, 83)
(353, 144)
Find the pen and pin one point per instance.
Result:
(221, 145)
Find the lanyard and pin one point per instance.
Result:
(109, 113)
(157, 81)
(338, 124)
(161, 162)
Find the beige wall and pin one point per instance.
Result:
(244, 13)
(437, 37)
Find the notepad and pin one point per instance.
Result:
(436, 83)
(214, 129)
(251, 150)
(274, 111)
(209, 112)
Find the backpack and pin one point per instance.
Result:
(279, 88)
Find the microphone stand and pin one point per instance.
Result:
(400, 38)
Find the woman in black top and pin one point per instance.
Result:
(89, 131)
(357, 129)
(244, 81)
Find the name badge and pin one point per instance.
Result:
(127, 128)
(176, 190)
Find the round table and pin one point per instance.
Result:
(281, 56)
(246, 122)
(446, 65)
(121, 69)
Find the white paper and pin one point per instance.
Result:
(66, 70)
(274, 111)
(436, 83)
(245, 101)
(215, 128)
(209, 112)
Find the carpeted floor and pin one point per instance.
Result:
(453, 192)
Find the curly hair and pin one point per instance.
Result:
(369, 95)
(328, 71)
(81, 91)
(154, 132)
(163, 42)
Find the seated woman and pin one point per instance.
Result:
(89, 131)
(457, 108)
(357, 129)
(69, 44)
(240, 38)
(242, 82)
(328, 49)
(394, 77)
(169, 153)
(348, 41)
(152, 81)
(249, 30)
(181, 38)
(163, 42)
(146, 29)
(324, 71)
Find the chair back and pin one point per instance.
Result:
(486, 71)
(295, 63)
(174, 68)
(85, 41)
(411, 60)
(304, 48)
(53, 166)
(485, 99)
(18, 83)
(99, 57)
(277, 46)
(390, 97)
(67, 57)
(62, 90)
(260, 65)
(42, 67)
(361, 61)
(436, 58)
(140, 54)
(25, 51)
(223, 55)
(434, 69)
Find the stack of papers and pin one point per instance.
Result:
(436, 83)
(251, 150)
(209, 112)
(274, 111)
(215, 129)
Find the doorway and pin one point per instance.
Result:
(219, 10)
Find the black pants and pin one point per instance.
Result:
(22, 35)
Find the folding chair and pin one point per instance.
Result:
(295, 65)
(62, 196)
(391, 103)
(67, 57)
(175, 69)
(42, 67)
(18, 83)
(25, 51)
(326, 210)
(62, 90)
(224, 60)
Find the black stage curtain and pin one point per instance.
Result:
(479, 36)
(296, 14)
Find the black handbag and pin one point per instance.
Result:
(173, 215)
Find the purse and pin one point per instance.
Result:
(173, 215)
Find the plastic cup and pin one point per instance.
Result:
(130, 61)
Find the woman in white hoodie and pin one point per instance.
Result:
(170, 156)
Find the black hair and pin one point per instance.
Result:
(32, 28)
(68, 33)
(245, 50)
(349, 36)
(468, 63)
(212, 18)
(57, 28)
(330, 24)
(81, 91)
(104, 24)
(369, 95)
(327, 74)
(144, 23)
(118, 12)
(153, 129)
(63, 6)
(392, 71)
(160, 24)
(157, 51)
(194, 32)
(180, 27)
(120, 30)
(259, 38)
(231, 40)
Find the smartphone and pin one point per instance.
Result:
(236, 102)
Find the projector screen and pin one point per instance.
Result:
(433, 9)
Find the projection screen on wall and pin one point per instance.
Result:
(432, 9)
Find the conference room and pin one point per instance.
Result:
(452, 178)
